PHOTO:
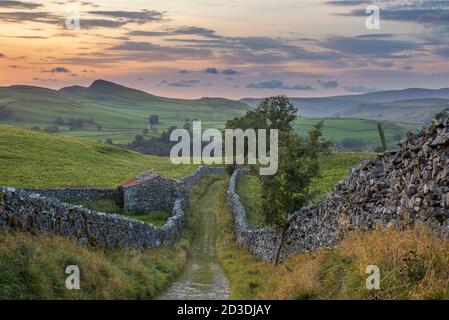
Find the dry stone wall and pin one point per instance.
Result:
(66, 194)
(40, 211)
(401, 188)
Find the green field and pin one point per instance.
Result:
(40, 160)
(120, 111)
(334, 168)
(366, 130)
(123, 113)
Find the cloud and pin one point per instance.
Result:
(122, 18)
(19, 5)
(186, 30)
(131, 16)
(328, 84)
(211, 70)
(368, 47)
(260, 50)
(443, 52)
(184, 71)
(348, 2)
(360, 89)
(60, 70)
(2, 55)
(229, 72)
(278, 84)
(22, 16)
(431, 13)
(101, 23)
(301, 87)
(183, 83)
(153, 51)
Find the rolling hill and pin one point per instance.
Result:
(40, 160)
(412, 105)
(120, 112)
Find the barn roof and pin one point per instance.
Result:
(141, 178)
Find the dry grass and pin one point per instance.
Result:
(413, 265)
(33, 267)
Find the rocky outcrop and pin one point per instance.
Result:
(400, 189)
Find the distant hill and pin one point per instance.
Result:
(119, 111)
(412, 105)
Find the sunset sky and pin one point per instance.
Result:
(227, 48)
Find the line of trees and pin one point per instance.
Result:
(76, 123)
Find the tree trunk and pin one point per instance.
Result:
(277, 256)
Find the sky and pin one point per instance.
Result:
(226, 48)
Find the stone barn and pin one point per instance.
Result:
(150, 192)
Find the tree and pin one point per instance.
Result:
(272, 113)
(288, 190)
(153, 120)
(278, 112)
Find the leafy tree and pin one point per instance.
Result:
(288, 190)
(272, 113)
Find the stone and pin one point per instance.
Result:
(399, 189)
(43, 211)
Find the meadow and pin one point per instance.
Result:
(41, 160)
(121, 112)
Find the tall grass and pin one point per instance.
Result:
(33, 267)
(413, 265)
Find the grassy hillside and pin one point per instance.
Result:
(365, 130)
(384, 105)
(35, 159)
(33, 267)
(122, 112)
(417, 112)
